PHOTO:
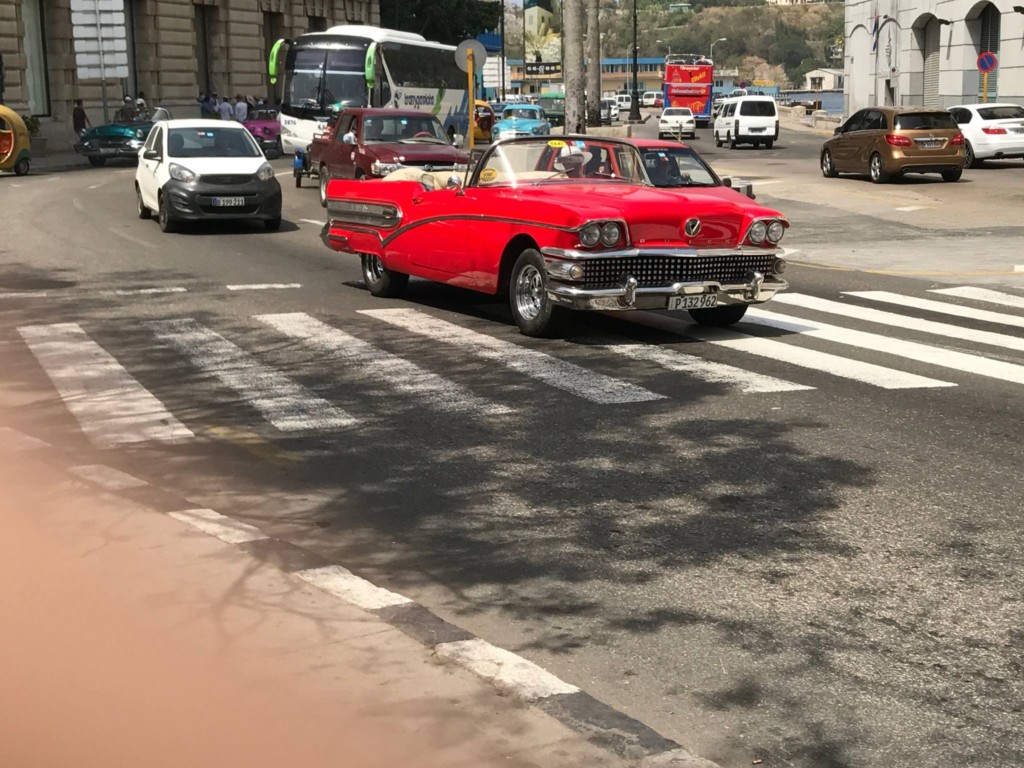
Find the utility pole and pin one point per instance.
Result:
(634, 107)
(594, 62)
(573, 30)
(502, 28)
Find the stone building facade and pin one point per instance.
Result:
(177, 49)
(925, 52)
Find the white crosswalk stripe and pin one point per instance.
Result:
(288, 406)
(812, 359)
(366, 361)
(110, 405)
(983, 294)
(554, 372)
(911, 350)
(940, 307)
(906, 322)
(715, 373)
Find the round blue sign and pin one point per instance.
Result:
(987, 62)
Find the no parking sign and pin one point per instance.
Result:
(987, 62)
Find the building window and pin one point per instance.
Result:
(317, 23)
(206, 20)
(37, 81)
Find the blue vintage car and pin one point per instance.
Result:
(521, 120)
(123, 137)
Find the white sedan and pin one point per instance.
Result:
(677, 121)
(192, 170)
(992, 131)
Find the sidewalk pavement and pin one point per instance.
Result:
(53, 162)
(131, 639)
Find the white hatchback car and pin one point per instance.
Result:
(991, 131)
(677, 121)
(192, 170)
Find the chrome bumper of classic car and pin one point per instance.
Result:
(637, 278)
(109, 147)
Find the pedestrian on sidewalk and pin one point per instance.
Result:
(79, 120)
(226, 110)
(241, 108)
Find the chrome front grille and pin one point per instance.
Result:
(227, 179)
(654, 271)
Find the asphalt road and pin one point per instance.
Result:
(800, 545)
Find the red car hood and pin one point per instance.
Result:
(441, 154)
(655, 216)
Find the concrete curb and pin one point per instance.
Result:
(510, 674)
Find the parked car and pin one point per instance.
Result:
(883, 142)
(677, 121)
(991, 131)
(562, 223)
(747, 120)
(205, 169)
(609, 111)
(624, 100)
(263, 124)
(649, 98)
(370, 143)
(521, 120)
(121, 138)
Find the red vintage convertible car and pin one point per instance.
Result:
(567, 222)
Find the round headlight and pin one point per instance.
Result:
(576, 272)
(140, 134)
(758, 232)
(611, 233)
(775, 231)
(590, 235)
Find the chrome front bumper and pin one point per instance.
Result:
(756, 287)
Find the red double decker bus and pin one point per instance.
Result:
(689, 82)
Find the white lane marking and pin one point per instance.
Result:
(941, 307)
(24, 295)
(131, 238)
(505, 670)
(16, 186)
(905, 321)
(716, 373)
(263, 286)
(78, 205)
(110, 405)
(312, 221)
(366, 361)
(560, 374)
(53, 178)
(215, 524)
(983, 294)
(97, 186)
(344, 584)
(909, 208)
(786, 252)
(13, 441)
(911, 350)
(107, 477)
(144, 291)
(288, 406)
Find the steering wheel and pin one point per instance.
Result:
(423, 134)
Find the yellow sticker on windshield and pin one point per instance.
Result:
(556, 143)
(487, 175)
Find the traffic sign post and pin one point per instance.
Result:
(470, 57)
(987, 62)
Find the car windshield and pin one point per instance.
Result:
(262, 114)
(552, 105)
(677, 167)
(553, 161)
(520, 113)
(677, 112)
(211, 142)
(131, 114)
(925, 121)
(1007, 112)
(403, 129)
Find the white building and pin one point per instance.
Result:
(824, 80)
(926, 53)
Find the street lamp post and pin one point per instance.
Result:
(634, 107)
(711, 55)
(667, 45)
(502, 51)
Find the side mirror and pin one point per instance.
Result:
(837, 131)
(727, 181)
(454, 182)
(151, 154)
(458, 140)
(349, 138)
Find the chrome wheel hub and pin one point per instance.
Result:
(530, 296)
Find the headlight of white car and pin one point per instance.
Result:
(538, 130)
(181, 173)
(265, 173)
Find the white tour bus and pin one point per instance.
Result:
(360, 66)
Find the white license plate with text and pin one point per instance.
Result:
(226, 202)
(701, 301)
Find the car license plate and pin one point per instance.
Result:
(701, 301)
(225, 202)
(931, 144)
(107, 151)
(757, 130)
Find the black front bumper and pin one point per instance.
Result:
(196, 201)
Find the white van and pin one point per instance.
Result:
(624, 100)
(650, 98)
(747, 120)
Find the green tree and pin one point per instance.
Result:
(444, 21)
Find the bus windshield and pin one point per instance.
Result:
(321, 80)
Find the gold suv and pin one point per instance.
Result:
(889, 141)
